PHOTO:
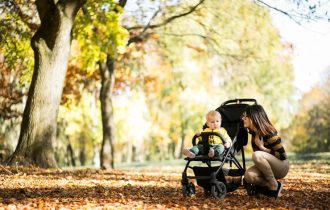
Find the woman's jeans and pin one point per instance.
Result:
(199, 149)
(267, 169)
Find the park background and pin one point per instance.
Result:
(112, 93)
(171, 66)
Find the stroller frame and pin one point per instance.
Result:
(213, 178)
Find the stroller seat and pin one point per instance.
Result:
(212, 178)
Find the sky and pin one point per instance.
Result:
(311, 58)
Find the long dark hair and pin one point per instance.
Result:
(260, 120)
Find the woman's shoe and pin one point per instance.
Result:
(251, 189)
(276, 193)
(262, 190)
(279, 189)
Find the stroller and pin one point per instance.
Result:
(215, 179)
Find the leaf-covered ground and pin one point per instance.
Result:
(307, 186)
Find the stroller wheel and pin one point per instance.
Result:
(192, 188)
(218, 190)
(185, 191)
(188, 190)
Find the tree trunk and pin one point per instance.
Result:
(70, 155)
(107, 83)
(183, 136)
(51, 46)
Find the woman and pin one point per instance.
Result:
(269, 157)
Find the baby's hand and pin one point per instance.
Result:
(198, 133)
(227, 144)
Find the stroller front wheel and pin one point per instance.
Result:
(218, 190)
(188, 190)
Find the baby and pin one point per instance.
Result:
(217, 144)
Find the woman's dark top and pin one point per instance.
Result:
(272, 142)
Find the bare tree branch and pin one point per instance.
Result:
(149, 23)
(278, 10)
(168, 20)
(311, 12)
(141, 36)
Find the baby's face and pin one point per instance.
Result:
(213, 122)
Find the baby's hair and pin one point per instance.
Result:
(213, 113)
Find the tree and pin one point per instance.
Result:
(108, 80)
(51, 46)
(101, 38)
(310, 127)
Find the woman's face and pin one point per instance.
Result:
(247, 121)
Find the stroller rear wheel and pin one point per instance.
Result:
(218, 190)
(188, 190)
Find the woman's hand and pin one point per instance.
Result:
(198, 133)
(258, 141)
(260, 144)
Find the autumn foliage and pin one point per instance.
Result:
(307, 186)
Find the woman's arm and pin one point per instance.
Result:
(260, 144)
(275, 146)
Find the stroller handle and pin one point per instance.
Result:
(239, 101)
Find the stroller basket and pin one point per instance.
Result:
(206, 171)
